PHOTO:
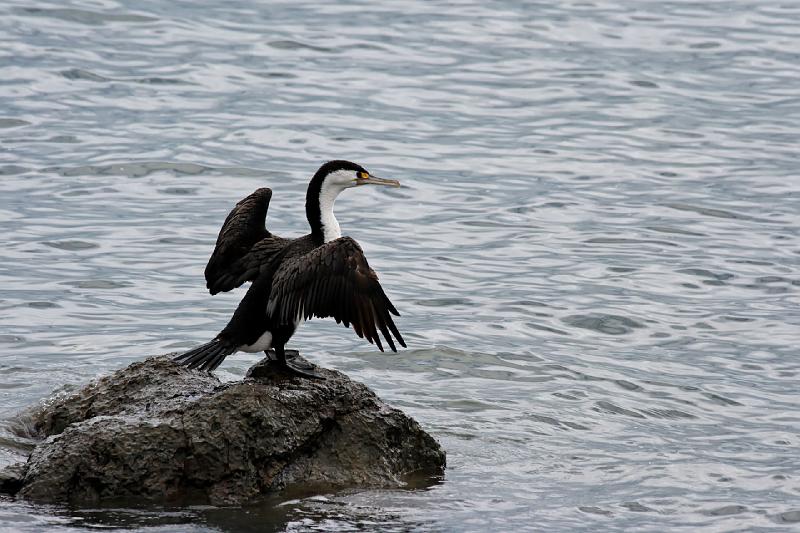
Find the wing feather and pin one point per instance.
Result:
(244, 246)
(335, 280)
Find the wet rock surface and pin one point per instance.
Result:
(158, 431)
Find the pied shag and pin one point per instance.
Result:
(321, 274)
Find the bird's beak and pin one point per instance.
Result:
(374, 180)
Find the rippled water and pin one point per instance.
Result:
(595, 252)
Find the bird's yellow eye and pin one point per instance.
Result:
(363, 175)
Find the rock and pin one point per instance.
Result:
(158, 431)
(11, 478)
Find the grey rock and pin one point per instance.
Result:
(11, 478)
(161, 432)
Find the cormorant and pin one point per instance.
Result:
(321, 274)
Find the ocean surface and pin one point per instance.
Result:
(595, 251)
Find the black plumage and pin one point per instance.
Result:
(294, 280)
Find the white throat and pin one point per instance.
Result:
(327, 196)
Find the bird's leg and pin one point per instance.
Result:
(294, 365)
(272, 356)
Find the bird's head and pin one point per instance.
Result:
(340, 175)
(332, 178)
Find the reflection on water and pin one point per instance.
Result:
(595, 251)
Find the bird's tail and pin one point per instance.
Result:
(208, 356)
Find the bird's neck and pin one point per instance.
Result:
(330, 226)
(319, 211)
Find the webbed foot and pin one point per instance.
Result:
(293, 363)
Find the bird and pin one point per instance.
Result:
(321, 274)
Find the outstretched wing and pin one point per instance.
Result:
(334, 280)
(243, 244)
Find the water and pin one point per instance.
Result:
(595, 251)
